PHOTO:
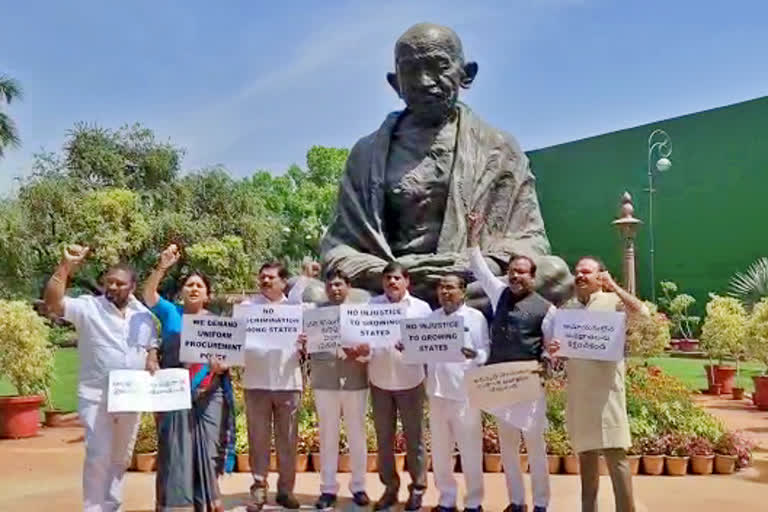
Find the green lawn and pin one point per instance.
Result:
(691, 371)
(64, 391)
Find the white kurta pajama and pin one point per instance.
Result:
(524, 420)
(451, 419)
(108, 340)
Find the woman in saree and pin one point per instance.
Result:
(195, 446)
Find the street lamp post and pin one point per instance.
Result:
(659, 144)
(627, 225)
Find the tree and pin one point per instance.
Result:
(10, 90)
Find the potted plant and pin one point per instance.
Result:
(653, 448)
(400, 448)
(26, 360)
(733, 451)
(722, 335)
(634, 455)
(491, 449)
(345, 464)
(145, 449)
(308, 446)
(372, 446)
(241, 443)
(678, 454)
(702, 456)
(683, 324)
(558, 445)
(757, 346)
(648, 336)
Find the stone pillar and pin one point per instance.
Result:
(627, 225)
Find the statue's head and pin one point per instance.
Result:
(429, 71)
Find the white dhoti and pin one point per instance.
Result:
(452, 423)
(331, 406)
(109, 440)
(529, 421)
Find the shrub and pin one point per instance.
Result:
(26, 357)
(647, 336)
(146, 438)
(656, 445)
(724, 330)
(557, 442)
(702, 446)
(735, 444)
(491, 439)
(241, 434)
(677, 306)
(757, 333)
(678, 444)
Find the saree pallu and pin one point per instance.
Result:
(196, 446)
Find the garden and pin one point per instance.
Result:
(726, 354)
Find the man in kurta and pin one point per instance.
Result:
(596, 414)
(408, 186)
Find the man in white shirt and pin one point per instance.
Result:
(451, 419)
(520, 318)
(397, 387)
(272, 382)
(115, 332)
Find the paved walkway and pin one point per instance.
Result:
(43, 474)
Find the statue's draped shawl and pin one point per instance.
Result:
(490, 175)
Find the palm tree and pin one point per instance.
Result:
(10, 89)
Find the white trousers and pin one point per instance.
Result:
(509, 439)
(109, 440)
(456, 423)
(331, 406)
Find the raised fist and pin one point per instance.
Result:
(74, 255)
(169, 257)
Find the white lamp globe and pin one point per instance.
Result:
(663, 164)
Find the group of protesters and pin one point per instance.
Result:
(196, 446)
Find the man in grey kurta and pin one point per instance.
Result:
(340, 381)
(409, 186)
(596, 414)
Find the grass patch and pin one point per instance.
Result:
(691, 371)
(64, 390)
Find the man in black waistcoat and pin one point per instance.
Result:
(520, 316)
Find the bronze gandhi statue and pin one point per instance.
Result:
(408, 187)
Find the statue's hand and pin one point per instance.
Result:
(413, 262)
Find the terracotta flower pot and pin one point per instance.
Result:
(738, 393)
(243, 463)
(688, 345)
(702, 464)
(492, 462)
(715, 389)
(761, 392)
(677, 466)
(372, 463)
(317, 464)
(345, 464)
(554, 462)
(57, 418)
(571, 464)
(602, 466)
(400, 462)
(725, 464)
(725, 375)
(710, 373)
(273, 462)
(634, 463)
(146, 462)
(653, 464)
(302, 462)
(19, 416)
(524, 462)
(132, 467)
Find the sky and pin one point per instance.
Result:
(252, 85)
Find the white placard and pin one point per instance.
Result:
(322, 328)
(139, 391)
(378, 325)
(501, 384)
(270, 326)
(587, 334)
(433, 340)
(205, 336)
